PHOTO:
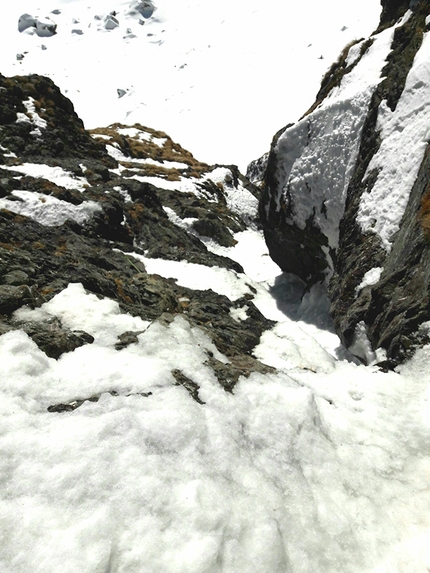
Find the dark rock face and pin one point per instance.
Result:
(127, 217)
(392, 10)
(65, 136)
(391, 309)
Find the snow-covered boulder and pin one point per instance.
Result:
(30, 24)
(110, 22)
(344, 185)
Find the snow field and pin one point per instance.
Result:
(194, 70)
(313, 466)
(295, 470)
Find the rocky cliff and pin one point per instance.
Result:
(90, 208)
(346, 188)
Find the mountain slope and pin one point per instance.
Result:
(197, 70)
(170, 401)
(162, 410)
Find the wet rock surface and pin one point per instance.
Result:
(47, 158)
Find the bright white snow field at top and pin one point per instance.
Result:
(322, 466)
(221, 78)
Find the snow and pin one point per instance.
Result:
(197, 277)
(312, 467)
(48, 210)
(297, 470)
(32, 117)
(56, 175)
(117, 154)
(404, 141)
(200, 72)
(310, 171)
(238, 199)
(370, 278)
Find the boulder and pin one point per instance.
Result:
(43, 29)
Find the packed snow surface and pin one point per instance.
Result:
(321, 465)
(220, 77)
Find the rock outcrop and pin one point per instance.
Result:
(345, 190)
(91, 208)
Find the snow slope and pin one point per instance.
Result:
(218, 77)
(322, 465)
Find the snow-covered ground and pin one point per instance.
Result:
(322, 465)
(219, 77)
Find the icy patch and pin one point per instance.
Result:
(403, 134)
(48, 210)
(56, 175)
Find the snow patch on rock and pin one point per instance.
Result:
(317, 156)
(48, 210)
(404, 139)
